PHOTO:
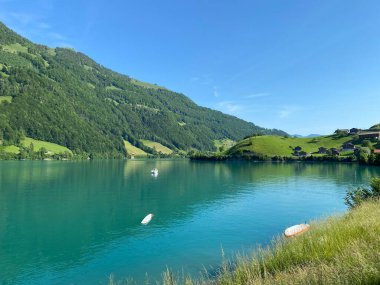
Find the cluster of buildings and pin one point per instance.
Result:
(360, 133)
(348, 146)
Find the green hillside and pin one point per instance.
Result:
(52, 148)
(133, 150)
(224, 144)
(157, 146)
(375, 127)
(10, 149)
(64, 97)
(29, 148)
(37, 145)
(284, 146)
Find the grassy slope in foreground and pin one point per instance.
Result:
(283, 146)
(341, 250)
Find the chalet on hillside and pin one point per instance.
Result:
(334, 151)
(322, 150)
(369, 135)
(354, 131)
(302, 153)
(297, 149)
(376, 151)
(348, 146)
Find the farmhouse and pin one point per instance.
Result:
(354, 131)
(297, 148)
(335, 151)
(377, 151)
(302, 153)
(297, 151)
(369, 135)
(322, 150)
(348, 146)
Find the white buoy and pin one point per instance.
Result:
(147, 219)
(296, 230)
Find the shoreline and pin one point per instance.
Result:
(326, 254)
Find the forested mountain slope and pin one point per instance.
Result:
(62, 96)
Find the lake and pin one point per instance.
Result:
(64, 222)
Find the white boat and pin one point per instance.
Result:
(147, 219)
(154, 171)
(296, 230)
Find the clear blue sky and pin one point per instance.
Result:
(301, 66)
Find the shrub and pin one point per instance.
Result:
(357, 196)
(366, 143)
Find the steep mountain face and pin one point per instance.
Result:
(62, 96)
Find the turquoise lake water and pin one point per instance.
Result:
(78, 222)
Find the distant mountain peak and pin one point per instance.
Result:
(308, 136)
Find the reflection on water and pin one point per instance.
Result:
(77, 222)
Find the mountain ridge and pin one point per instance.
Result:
(65, 97)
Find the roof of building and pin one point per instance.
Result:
(369, 133)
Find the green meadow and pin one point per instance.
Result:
(132, 149)
(112, 87)
(157, 146)
(5, 99)
(10, 149)
(15, 48)
(146, 85)
(51, 147)
(224, 144)
(283, 146)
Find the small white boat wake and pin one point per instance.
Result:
(147, 219)
(154, 171)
